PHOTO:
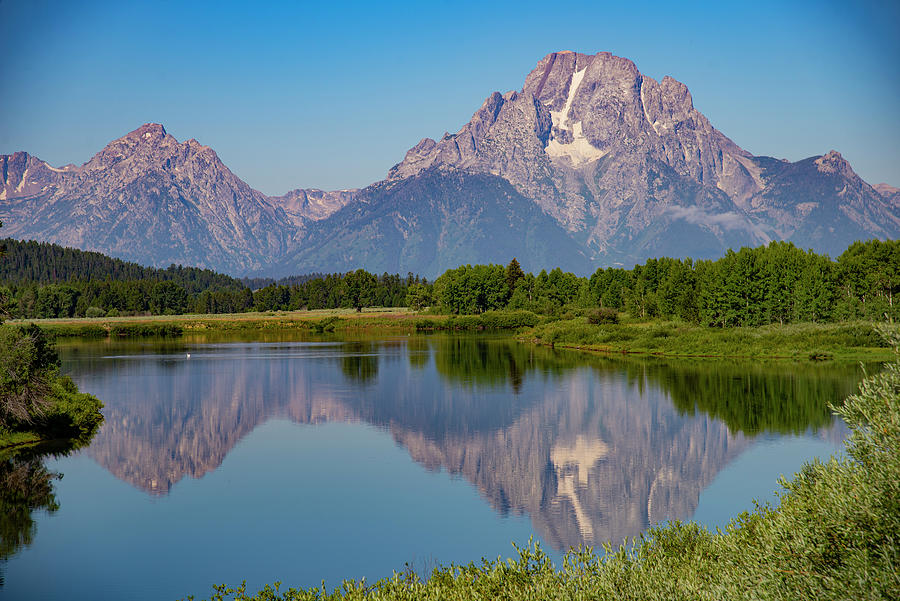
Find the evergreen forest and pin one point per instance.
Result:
(773, 284)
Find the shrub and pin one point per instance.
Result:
(508, 320)
(73, 415)
(28, 365)
(603, 315)
(77, 330)
(425, 324)
(94, 312)
(326, 325)
(34, 397)
(489, 320)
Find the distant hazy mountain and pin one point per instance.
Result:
(435, 220)
(590, 164)
(890, 193)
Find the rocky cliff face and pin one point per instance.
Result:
(631, 169)
(148, 198)
(889, 193)
(313, 204)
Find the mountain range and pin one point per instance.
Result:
(590, 164)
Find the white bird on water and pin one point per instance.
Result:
(188, 355)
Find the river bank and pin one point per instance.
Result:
(854, 341)
(850, 341)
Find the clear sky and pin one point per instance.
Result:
(332, 94)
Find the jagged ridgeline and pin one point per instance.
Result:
(590, 164)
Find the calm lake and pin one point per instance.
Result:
(308, 459)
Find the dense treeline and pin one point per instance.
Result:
(44, 263)
(95, 298)
(257, 283)
(98, 298)
(356, 289)
(40, 280)
(778, 283)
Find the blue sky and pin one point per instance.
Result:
(331, 95)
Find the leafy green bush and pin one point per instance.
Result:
(72, 415)
(572, 332)
(76, 331)
(425, 325)
(489, 320)
(326, 325)
(508, 320)
(27, 368)
(34, 398)
(603, 315)
(94, 312)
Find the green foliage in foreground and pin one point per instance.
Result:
(835, 534)
(36, 403)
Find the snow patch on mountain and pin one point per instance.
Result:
(579, 150)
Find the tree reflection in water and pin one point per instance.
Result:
(26, 486)
(359, 361)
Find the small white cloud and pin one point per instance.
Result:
(728, 220)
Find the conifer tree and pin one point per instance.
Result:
(514, 273)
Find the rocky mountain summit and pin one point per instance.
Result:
(148, 198)
(591, 163)
(631, 169)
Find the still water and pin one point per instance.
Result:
(303, 460)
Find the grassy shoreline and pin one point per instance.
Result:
(852, 341)
(302, 320)
(18, 440)
(856, 341)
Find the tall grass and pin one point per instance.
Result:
(489, 320)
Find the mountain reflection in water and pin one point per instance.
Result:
(591, 448)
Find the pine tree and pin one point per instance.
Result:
(514, 273)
